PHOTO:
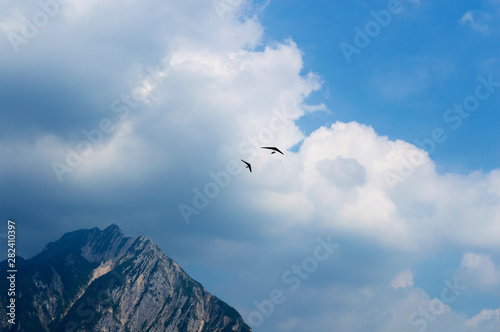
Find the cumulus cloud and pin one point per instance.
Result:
(479, 270)
(226, 98)
(400, 307)
(403, 280)
(344, 172)
(485, 317)
(386, 309)
(221, 93)
(474, 20)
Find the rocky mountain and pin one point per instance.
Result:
(93, 280)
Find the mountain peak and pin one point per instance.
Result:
(113, 228)
(123, 283)
(93, 244)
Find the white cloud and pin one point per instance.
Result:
(426, 208)
(403, 280)
(349, 309)
(490, 317)
(479, 270)
(467, 18)
(345, 173)
(221, 96)
(219, 103)
(474, 20)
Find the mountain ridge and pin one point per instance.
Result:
(100, 280)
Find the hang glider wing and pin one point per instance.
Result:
(272, 148)
(247, 165)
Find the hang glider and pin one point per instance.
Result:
(248, 165)
(273, 148)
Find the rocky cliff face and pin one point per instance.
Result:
(93, 280)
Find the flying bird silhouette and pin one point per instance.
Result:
(275, 149)
(248, 165)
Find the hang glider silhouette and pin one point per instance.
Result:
(248, 165)
(273, 148)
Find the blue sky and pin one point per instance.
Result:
(431, 58)
(384, 212)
